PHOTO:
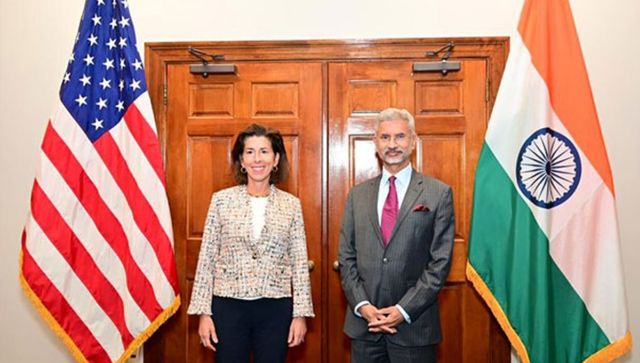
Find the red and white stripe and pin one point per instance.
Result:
(98, 244)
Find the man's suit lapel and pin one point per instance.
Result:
(413, 192)
(372, 207)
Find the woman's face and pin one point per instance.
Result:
(258, 158)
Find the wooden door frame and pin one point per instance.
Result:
(159, 55)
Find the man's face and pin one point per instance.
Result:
(394, 143)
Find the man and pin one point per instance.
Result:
(395, 252)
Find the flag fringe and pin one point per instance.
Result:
(606, 354)
(612, 351)
(142, 337)
(497, 311)
(48, 318)
(66, 339)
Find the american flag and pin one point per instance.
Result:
(97, 255)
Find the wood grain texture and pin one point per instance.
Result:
(323, 95)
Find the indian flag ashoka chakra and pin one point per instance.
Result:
(548, 168)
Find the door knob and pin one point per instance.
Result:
(336, 265)
(311, 265)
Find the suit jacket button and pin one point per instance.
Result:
(385, 260)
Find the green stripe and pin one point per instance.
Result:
(511, 254)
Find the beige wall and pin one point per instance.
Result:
(36, 39)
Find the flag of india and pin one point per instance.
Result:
(544, 247)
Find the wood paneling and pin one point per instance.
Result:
(269, 100)
(367, 97)
(206, 173)
(205, 114)
(323, 96)
(439, 98)
(453, 112)
(211, 100)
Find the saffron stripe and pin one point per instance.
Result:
(86, 192)
(59, 308)
(548, 30)
(511, 254)
(143, 214)
(574, 236)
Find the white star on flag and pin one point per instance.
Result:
(102, 103)
(105, 83)
(137, 64)
(81, 100)
(135, 85)
(108, 63)
(88, 60)
(97, 124)
(124, 21)
(85, 80)
(93, 40)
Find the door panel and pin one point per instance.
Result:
(323, 95)
(450, 112)
(204, 116)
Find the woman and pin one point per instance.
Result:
(252, 288)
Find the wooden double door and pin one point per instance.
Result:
(325, 108)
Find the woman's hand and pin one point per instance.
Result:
(297, 331)
(207, 332)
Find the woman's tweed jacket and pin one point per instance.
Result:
(232, 265)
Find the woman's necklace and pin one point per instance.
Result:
(261, 194)
(258, 195)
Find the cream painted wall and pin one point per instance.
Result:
(36, 39)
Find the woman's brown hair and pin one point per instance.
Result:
(277, 144)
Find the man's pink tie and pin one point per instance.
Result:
(389, 211)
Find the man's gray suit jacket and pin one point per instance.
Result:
(410, 270)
